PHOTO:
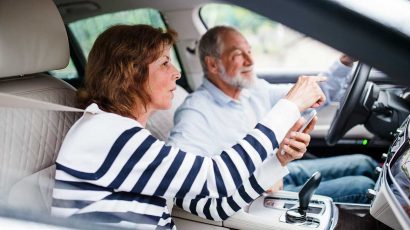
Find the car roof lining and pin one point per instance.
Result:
(72, 10)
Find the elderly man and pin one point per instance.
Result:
(232, 99)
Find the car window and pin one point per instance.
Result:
(276, 48)
(69, 72)
(87, 30)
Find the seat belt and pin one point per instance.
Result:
(14, 101)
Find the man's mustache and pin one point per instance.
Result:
(246, 69)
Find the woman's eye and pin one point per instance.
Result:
(165, 63)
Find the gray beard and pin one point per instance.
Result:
(236, 81)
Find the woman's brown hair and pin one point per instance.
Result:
(117, 68)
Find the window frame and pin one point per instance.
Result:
(279, 74)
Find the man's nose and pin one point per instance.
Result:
(249, 59)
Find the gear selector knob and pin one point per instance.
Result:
(307, 191)
(305, 194)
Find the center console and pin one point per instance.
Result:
(281, 210)
(289, 210)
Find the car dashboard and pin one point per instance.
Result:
(391, 204)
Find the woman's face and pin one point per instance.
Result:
(162, 81)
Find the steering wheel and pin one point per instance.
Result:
(344, 118)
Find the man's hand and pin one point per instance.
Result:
(295, 144)
(306, 92)
(347, 60)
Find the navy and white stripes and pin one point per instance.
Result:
(219, 209)
(111, 170)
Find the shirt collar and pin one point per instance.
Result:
(245, 93)
(93, 109)
(219, 96)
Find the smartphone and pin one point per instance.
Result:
(308, 115)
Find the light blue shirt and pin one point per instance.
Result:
(209, 121)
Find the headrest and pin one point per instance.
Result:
(32, 37)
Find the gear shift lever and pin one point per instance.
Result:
(307, 191)
(299, 215)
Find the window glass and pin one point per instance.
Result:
(276, 48)
(87, 30)
(69, 72)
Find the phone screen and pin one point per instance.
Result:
(308, 115)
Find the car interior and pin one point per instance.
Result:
(37, 106)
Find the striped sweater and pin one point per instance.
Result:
(113, 171)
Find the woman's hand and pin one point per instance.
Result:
(295, 144)
(276, 187)
(306, 93)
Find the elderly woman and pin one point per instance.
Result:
(112, 170)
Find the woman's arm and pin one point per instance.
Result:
(156, 169)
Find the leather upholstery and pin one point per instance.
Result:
(30, 138)
(32, 37)
(32, 40)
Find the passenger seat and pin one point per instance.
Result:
(33, 40)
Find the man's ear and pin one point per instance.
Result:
(211, 65)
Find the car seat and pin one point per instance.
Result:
(33, 40)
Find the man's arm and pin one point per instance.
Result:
(334, 88)
(337, 79)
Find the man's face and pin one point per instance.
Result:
(236, 63)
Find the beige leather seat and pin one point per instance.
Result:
(32, 40)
